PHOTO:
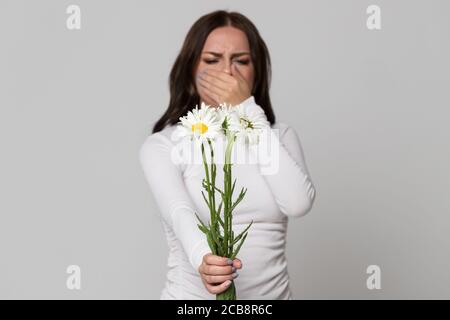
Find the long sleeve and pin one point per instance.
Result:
(176, 207)
(288, 177)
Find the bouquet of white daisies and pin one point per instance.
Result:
(234, 124)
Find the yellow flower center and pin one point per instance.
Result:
(199, 127)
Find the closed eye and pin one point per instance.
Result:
(244, 62)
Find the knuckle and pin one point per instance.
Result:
(214, 270)
(207, 269)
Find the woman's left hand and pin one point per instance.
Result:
(222, 87)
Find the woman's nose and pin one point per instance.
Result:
(227, 68)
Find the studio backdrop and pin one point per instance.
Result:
(365, 84)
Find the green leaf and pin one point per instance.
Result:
(220, 208)
(204, 197)
(202, 229)
(221, 192)
(221, 221)
(203, 225)
(213, 235)
(240, 235)
(211, 243)
(238, 248)
(239, 199)
(232, 188)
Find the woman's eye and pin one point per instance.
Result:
(244, 62)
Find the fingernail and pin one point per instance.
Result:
(227, 283)
(229, 261)
(233, 269)
(235, 275)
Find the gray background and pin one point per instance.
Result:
(371, 109)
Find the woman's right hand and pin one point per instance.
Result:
(217, 272)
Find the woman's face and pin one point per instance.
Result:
(224, 47)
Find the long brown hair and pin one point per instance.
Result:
(183, 94)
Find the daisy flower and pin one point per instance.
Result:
(200, 124)
(227, 114)
(247, 123)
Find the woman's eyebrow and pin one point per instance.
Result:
(237, 54)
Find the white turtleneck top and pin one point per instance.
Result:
(272, 197)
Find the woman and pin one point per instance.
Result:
(224, 59)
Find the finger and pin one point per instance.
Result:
(212, 87)
(220, 75)
(214, 270)
(219, 279)
(237, 263)
(213, 91)
(219, 288)
(217, 260)
(214, 81)
(215, 95)
(209, 100)
(204, 91)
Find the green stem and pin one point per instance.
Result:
(213, 189)
(228, 197)
(215, 250)
(225, 210)
(230, 215)
(228, 294)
